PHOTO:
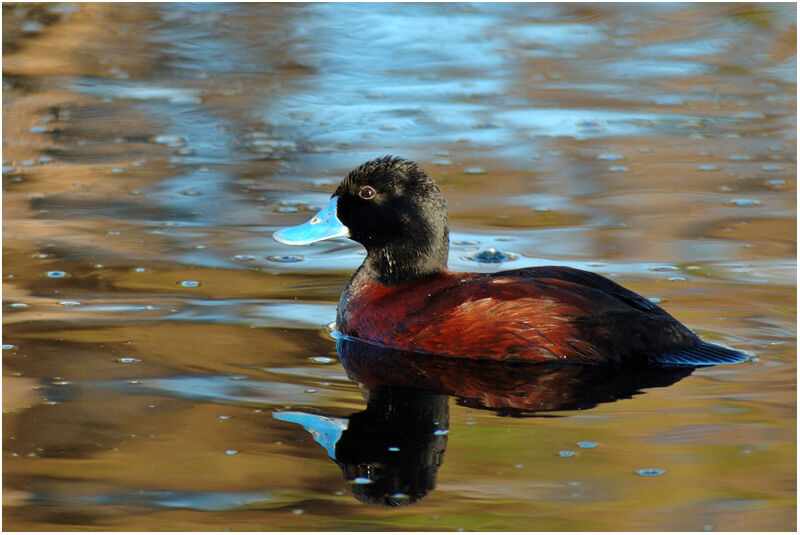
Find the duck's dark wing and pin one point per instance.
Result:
(586, 279)
(667, 340)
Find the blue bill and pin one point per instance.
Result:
(323, 226)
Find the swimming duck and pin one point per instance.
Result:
(404, 297)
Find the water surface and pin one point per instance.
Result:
(167, 365)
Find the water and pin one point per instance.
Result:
(149, 152)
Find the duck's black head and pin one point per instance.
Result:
(395, 210)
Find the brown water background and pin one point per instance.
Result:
(151, 326)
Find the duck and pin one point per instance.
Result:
(404, 297)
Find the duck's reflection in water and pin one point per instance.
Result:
(392, 450)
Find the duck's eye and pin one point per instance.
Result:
(367, 192)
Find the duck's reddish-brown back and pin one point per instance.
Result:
(534, 314)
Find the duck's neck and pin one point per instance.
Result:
(403, 262)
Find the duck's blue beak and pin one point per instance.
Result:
(323, 226)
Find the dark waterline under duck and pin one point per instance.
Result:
(404, 297)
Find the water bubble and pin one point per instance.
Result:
(610, 157)
(28, 163)
(441, 432)
(224, 417)
(244, 257)
(69, 303)
(287, 209)
(663, 268)
(189, 284)
(740, 157)
(442, 162)
(31, 26)
(776, 184)
(654, 300)
(117, 170)
(311, 390)
(191, 192)
(566, 453)
(399, 496)
(588, 444)
(45, 159)
(37, 129)
(474, 170)
(140, 270)
(708, 167)
(749, 115)
(9, 346)
(128, 360)
(393, 448)
(649, 472)
(18, 305)
(330, 328)
(618, 169)
(321, 360)
(168, 139)
(745, 202)
(676, 279)
(56, 274)
(231, 452)
(285, 258)
(771, 167)
(297, 511)
(490, 256)
(466, 242)
(362, 481)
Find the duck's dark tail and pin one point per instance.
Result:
(704, 354)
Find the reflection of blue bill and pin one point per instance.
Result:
(325, 429)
